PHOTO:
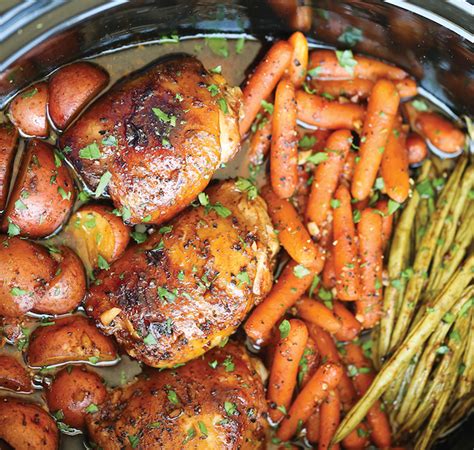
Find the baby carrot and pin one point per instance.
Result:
(406, 88)
(357, 439)
(381, 111)
(346, 262)
(313, 426)
(260, 141)
(284, 370)
(440, 131)
(263, 80)
(285, 292)
(292, 233)
(316, 390)
(317, 111)
(315, 312)
(417, 148)
(330, 416)
(369, 306)
(329, 272)
(348, 168)
(350, 326)
(284, 146)
(387, 222)
(328, 66)
(326, 177)
(394, 165)
(299, 60)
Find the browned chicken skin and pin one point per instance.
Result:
(214, 402)
(188, 287)
(161, 134)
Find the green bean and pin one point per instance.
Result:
(424, 256)
(394, 393)
(461, 410)
(421, 221)
(416, 338)
(466, 378)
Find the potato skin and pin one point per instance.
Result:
(202, 393)
(71, 88)
(43, 195)
(67, 288)
(28, 110)
(72, 391)
(25, 425)
(13, 376)
(72, 338)
(25, 271)
(8, 145)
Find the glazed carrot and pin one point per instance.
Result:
(292, 233)
(329, 272)
(376, 418)
(263, 80)
(330, 413)
(284, 146)
(260, 141)
(326, 177)
(299, 60)
(284, 369)
(348, 168)
(285, 292)
(387, 222)
(315, 312)
(317, 111)
(369, 306)
(350, 326)
(440, 131)
(407, 88)
(300, 197)
(417, 148)
(346, 262)
(323, 381)
(313, 426)
(329, 67)
(361, 204)
(328, 351)
(308, 363)
(357, 439)
(394, 165)
(381, 111)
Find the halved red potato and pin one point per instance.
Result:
(76, 392)
(28, 110)
(94, 230)
(67, 288)
(71, 88)
(25, 425)
(43, 195)
(8, 141)
(70, 339)
(13, 375)
(26, 269)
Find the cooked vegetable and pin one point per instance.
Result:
(28, 110)
(13, 375)
(72, 338)
(43, 195)
(442, 133)
(71, 88)
(312, 426)
(75, 392)
(260, 141)
(284, 370)
(350, 328)
(284, 147)
(330, 415)
(387, 221)
(381, 111)
(8, 144)
(315, 312)
(25, 425)
(417, 148)
(263, 80)
(329, 271)
(299, 59)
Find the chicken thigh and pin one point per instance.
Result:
(188, 287)
(214, 402)
(156, 138)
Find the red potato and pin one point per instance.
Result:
(416, 148)
(71, 88)
(8, 142)
(25, 425)
(28, 111)
(43, 195)
(13, 375)
(68, 287)
(76, 392)
(26, 269)
(70, 339)
(93, 231)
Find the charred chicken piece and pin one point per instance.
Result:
(214, 402)
(157, 138)
(188, 287)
